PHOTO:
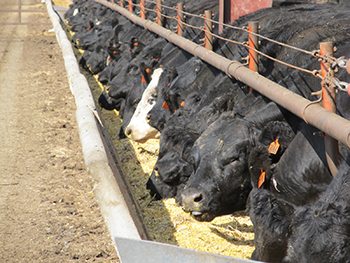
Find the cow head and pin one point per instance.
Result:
(134, 95)
(138, 129)
(220, 183)
(174, 164)
(158, 115)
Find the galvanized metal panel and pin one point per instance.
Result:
(143, 251)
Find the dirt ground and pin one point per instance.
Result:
(48, 212)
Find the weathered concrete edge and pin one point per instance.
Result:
(107, 192)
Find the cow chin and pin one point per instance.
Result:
(141, 138)
(202, 216)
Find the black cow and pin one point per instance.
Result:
(298, 178)
(321, 231)
(318, 231)
(95, 61)
(83, 15)
(281, 180)
(97, 34)
(271, 218)
(220, 184)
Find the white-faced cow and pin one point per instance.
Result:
(138, 129)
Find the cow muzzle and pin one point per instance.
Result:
(192, 201)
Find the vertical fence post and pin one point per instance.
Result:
(159, 13)
(180, 19)
(328, 96)
(142, 5)
(208, 27)
(19, 12)
(225, 7)
(253, 44)
(130, 6)
(121, 3)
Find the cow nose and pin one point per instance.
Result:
(128, 131)
(191, 199)
(148, 118)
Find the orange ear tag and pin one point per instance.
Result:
(165, 106)
(183, 104)
(274, 146)
(261, 178)
(143, 79)
(114, 52)
(136, 44)
(147, 70)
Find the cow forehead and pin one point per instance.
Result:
(219, 133)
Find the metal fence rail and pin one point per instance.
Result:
(19, 10)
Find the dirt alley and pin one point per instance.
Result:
(48, 212)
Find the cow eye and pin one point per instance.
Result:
(132, 69)
(135, 102)
(151, 100)
(231, 160)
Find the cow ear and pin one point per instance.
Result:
(117, 30)
(259, 165)
(165, 106)
(146, 73)
(91, 25)
(276, 137)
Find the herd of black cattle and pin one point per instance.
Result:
(221, 147)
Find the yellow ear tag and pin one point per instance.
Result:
(261, 178)
(274, 146)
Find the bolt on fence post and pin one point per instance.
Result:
(130, 6)
(328, 97)
(208, 26)
(253, 43)
(180, 19)
(159, 13)
(142, 5)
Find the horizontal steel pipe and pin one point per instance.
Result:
(314, 114)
